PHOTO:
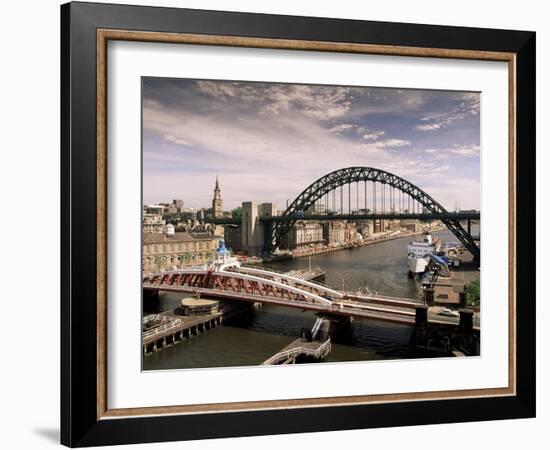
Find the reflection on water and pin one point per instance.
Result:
(251, 340)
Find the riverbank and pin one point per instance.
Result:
(322, 250)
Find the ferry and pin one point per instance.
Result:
(418, 253)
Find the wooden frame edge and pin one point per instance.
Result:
(290, 44)
(103, 36)
(512, 199)
(304, 403)
(101, 224)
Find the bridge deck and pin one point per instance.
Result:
(307, 274)
(350, 309)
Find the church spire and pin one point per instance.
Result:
(217, 202)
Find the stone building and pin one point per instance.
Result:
(304, 234)
(170, 249)
(178, 204)
(418, 226)
(153, 223)
(252, 230)
(334, 233)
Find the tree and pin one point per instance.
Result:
(237, 213)
(472, 293)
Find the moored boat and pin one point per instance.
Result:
(418, 253)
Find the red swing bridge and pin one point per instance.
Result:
(226, 279)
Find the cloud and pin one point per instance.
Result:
(338, 129)
(269, 141)
(465, 151)
(469, 104)
(429, 126)
(175, 140)
(373, 136)
(317, 102)
(393, 143)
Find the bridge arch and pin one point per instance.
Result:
(346, 176)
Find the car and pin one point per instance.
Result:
(448, 313)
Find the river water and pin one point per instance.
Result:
(250, 340)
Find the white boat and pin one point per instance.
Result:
(418, 253)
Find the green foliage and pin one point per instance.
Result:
(237, 213)
(472, 293)
(173, 218)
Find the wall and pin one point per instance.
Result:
(30, 169)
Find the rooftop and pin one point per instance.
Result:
(154, 238)
(193, 302)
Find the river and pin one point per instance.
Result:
(250, 340)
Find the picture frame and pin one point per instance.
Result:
(86, 418)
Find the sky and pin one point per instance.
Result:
(268, 141)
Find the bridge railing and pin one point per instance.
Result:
(326, 286)
(172, 323)
(296, 351)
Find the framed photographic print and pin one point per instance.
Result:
(277, 224)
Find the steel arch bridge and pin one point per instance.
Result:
(320, 189)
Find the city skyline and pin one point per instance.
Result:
(269, 141)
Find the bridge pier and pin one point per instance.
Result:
(467, 337)
(150, 300)
(339, 327)
(428, 296)
(445, 337)
(419, 337)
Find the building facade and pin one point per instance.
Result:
(165, 251)
(153, 223)
(304, 234)
(334, 233)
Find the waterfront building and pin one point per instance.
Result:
(217, 202)
(416, 226)
(333, 233)
(350, 232)
(366, 228)
(153, 223)
(304, 234)
(176, 249)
